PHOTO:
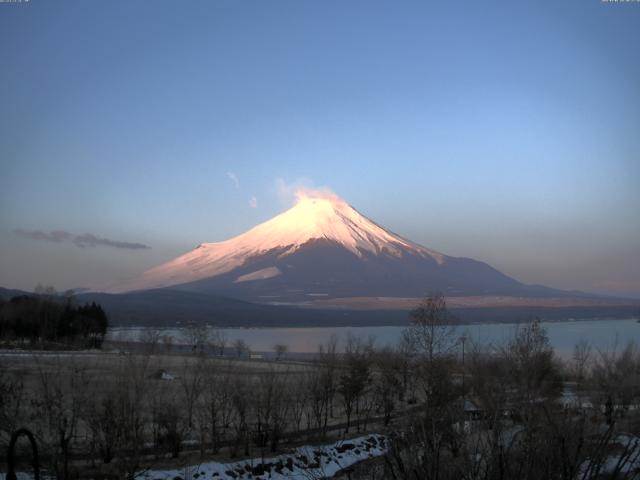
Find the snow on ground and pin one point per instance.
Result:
(307, 462)
(629, 464)
(623, 459)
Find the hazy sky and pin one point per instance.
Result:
(501, 131)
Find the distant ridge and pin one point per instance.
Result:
(165, 307)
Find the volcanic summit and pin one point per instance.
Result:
(323, 247)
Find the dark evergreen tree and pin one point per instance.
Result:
(44, 319)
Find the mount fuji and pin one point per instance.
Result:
(323, 248)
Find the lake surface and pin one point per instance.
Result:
(604, 335)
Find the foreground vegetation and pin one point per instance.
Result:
(449, 409)
(49, 320)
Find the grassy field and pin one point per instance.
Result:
(516, 408)
(111, 411)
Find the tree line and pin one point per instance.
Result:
(46, 318)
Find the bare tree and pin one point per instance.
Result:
(281, 350)
(216, 402)
(196, 335)
(581, 358)
(150, 339)
(56, 408)
(219, 340)
(100, 416)
(172, 425)
(404, 358)
(354, 378)
(324, 384)
(131, 395)
(298, 388)
(191, 381)
(617, 375)
(240, 415)
(241, 348)
(167, 343)
(432, 330)
(534, 374)
(12, 411)
(271, 408)
(386, 381)
(318, 400)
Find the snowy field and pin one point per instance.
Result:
(302, 463)
(305, 462)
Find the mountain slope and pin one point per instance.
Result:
(310, 219)
(324, 247)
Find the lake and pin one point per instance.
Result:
(603, 335)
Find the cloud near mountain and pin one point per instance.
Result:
(82, 241)
(290, 193)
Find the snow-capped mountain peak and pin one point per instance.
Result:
(313, 217)
(329, 218)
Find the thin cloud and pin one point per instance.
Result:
(291, 193)
(53, 236)
(253, 202)
(286, 191)
(82, 241)
(234, 178)
(90, 240)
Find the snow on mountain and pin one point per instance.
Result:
(324, 218)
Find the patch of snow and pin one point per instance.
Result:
(630, 465)
(262, 274)
(302, 463)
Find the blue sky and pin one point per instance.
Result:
(502, 131)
